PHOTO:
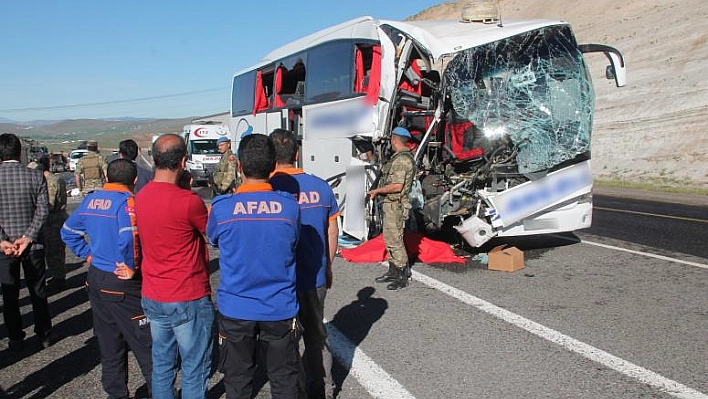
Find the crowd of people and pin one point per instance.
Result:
(145, 237)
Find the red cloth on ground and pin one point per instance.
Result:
(417, 246)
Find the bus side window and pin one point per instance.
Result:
(287, 83)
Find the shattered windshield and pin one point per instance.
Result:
(532, 90)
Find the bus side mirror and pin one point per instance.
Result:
(617, 69)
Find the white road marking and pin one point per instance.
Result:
(641, 374)
(685, 262)
(373, 378)
(651, 214)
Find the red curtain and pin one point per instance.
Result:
(359, 76)
(279, 87)
(260, 102)
(372, 89)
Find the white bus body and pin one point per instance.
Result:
(202, 152)
(502, 115)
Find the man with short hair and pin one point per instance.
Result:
(256, 230)
(90, 173)
(316, 250)
(103, 231)
(23, 195)
(395, 186)
(224, 178)
(128, 149)
(176, 291)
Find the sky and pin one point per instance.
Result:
(75, 59)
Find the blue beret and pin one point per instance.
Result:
(401, 131)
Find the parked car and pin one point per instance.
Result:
(74, 157)
(57, 163)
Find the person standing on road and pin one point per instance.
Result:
(54, 248)
(23, 195)
(224, 179)
(90, 170)
(128, 149)
(395, 186)
(176, 292)
(103, 231)
(316, 250)
(256, 230)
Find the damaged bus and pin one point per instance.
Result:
(501, 114)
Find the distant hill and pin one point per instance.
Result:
(64, 135)
(654, 130)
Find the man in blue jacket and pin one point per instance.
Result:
(317, 248)
(107, 218)
(257, 231)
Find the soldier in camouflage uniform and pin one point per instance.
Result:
(90, 171)
(224, 179)
(54, 247)
(395, 185)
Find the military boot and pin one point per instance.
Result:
(389, 276)
(407, 272)
(400, 282)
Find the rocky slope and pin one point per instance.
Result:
(655, 129)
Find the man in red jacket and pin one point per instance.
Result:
(176, 292)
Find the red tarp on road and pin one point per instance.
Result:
(417, 245)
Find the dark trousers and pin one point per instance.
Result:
(317, 357)
(119, 323)
(239, 342)
(35, 278)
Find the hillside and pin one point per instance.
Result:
(64, 135)
(655, 129)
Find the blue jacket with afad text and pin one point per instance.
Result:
(104, 229)
(257, 231)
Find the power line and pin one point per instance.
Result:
(58, 107)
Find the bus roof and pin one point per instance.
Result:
(441, 37)
(438, 37)
(360, 28)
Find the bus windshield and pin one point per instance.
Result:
(532, 89)
(203, 147)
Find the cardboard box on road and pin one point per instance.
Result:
(506, 259)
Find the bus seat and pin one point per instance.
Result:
(460, 139)
(412, 77)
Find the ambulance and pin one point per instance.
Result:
(202, 152)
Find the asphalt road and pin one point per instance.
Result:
(616, 311)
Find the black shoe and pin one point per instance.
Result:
(407, 272)
(47, 340)
(400, 282)
(389, 276)
(16, 345)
